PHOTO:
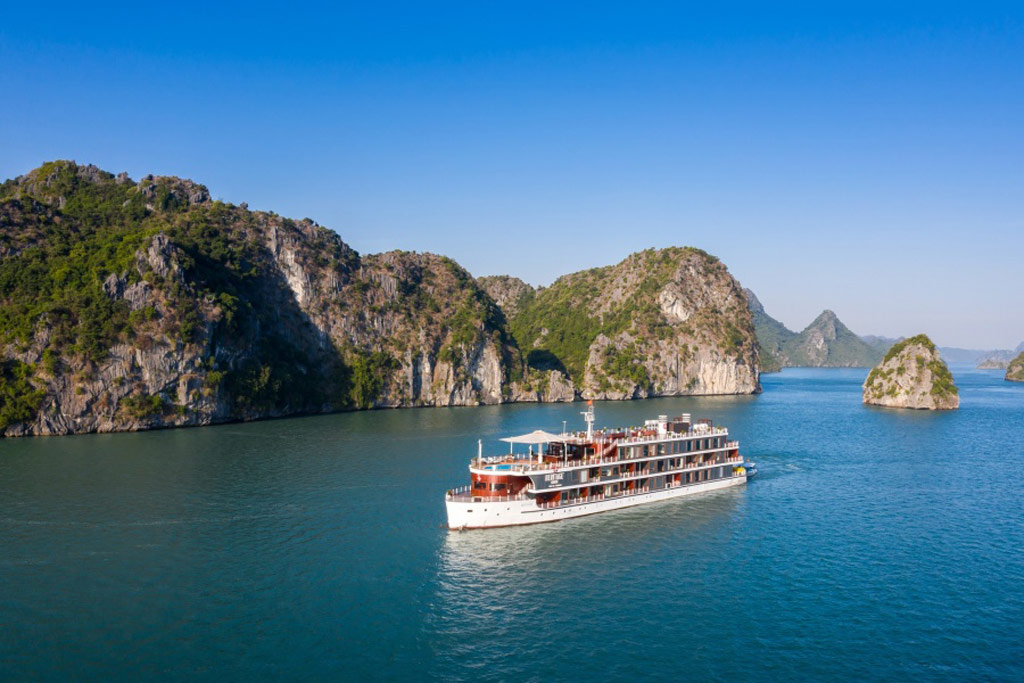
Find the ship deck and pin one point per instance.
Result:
(521, 463)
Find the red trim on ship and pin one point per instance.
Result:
(491, 485)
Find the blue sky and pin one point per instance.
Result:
(867, 158)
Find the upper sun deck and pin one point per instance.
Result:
(597, 447)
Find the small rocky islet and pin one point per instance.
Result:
(912, 375)
(1015, 370)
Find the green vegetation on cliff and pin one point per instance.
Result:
(559, 323)
(19, 398)
(54, 265)
(635, 327)
(68, 229)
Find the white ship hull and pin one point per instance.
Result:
(484, 513)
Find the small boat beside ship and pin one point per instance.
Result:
(572, 474)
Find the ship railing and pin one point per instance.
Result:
(532, 465)
(646, 438)
(668, 470)
(465, 493)
(602, 441)
(594, 498)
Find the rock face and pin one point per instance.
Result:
(664, 322)
(1015, 370)
(912, 375)
(510, 293)
(129, 306)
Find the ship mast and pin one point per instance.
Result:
(589, 417)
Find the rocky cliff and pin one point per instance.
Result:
(912, 375)
(134, 305)
(1015, 370)
(660, 323)
(510, 293)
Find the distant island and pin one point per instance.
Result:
(1000, 359)
(825, 343)
(130, 305)
(828, 343)
(912, 375)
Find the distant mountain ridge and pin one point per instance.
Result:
(828, 343)
(825, 343)
(999, 358)
(772, 336)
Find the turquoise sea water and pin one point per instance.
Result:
(874, 545)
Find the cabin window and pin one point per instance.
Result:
(497, 487)
(480, 485)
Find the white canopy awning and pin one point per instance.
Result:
(538, 436)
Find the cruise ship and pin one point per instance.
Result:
(572, 474)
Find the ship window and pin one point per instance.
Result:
(497, 487)
(480, 485)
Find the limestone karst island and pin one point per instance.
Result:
(912, 375)
(140, 304)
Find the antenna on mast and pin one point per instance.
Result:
(589, 417)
